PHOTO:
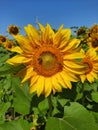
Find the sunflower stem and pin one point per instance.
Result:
(83, 98)
(50, 105)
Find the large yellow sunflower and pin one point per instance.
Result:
(50, 58)
(91, 71)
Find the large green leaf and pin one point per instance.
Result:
(54, 123)
(22, 98)
(76, 118)
(15, 125)
(79, 117)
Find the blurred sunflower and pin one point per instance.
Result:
(2, 39)
(50, 59)
(91, 61)
(93, 37)
(13, 29)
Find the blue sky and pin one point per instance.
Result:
(55, 12)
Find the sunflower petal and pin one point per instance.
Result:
(17, 49)
(40, 85)
(48, 85)
(33, 88)
(55, 84)
(90, 78)
(18, 59)
(28, 75)
(74, 43)
(24, 43)
(66, 80)
(73, 56)
(83, 78)
(33, 34)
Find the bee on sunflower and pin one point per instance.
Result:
(50, 58)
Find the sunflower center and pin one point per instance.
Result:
(95, 43)
(47, 61)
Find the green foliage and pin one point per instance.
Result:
(76, 117)
(75, 109)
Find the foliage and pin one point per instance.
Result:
(75, 109)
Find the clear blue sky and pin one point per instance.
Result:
(55, 12)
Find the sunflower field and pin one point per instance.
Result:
(49, 78)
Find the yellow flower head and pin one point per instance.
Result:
(49, 58)
(2, 39)
(93, 37)
(94, 29)
(91, 61)
(93, 41)
(81, 31)
(9, 45)
(13, 29)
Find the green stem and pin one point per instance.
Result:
(50, 105)
(83, 98)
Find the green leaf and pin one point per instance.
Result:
(76, 118)
(54, 123)
(10, 69)
(3, 57)
(96, 116)
(22, 98)
(43, 106)
(95, 96)
(15, 125)
(3, 109)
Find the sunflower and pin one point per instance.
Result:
(13, 29)
(91, 61)
(93, 37)
(9, 45)
(2, 39)
(50, 59)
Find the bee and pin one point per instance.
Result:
(40, 60)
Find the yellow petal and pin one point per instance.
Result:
(24, 43)
(58, 36)
(55, 84)
(41, 27)
(74, 43)
(66, 80)
(48, 35)
(94, 74)
(90, 78)
(17, 49)
(48, 86)
(73, 56)
(18, 59)
(28, 75)
(83, 78)
(40, 85)
(59, 79)
(33, 34)
(65, 38)
(71, 76)
(73, 65)
(33, 79)
(33, 88)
